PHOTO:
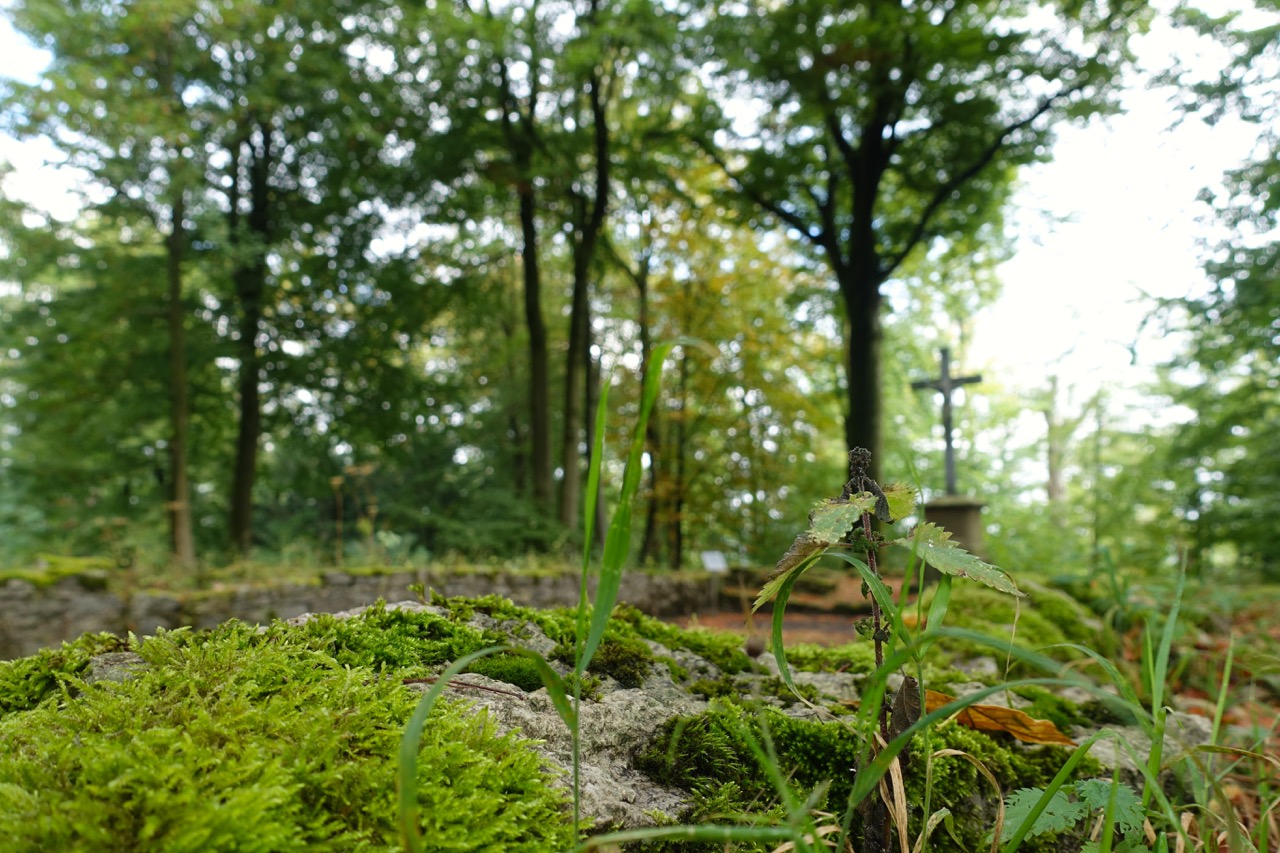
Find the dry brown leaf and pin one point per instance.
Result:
(994, 718)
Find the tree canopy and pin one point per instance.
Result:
(355, 273)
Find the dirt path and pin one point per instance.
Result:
(808, 618)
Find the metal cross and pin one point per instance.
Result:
(946, 384)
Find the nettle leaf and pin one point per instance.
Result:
(933, 545)
(1129, 815)
(831, 520)
(1058, 816)
(802, 554)
(902, 500)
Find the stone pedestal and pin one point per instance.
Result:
(960, 516)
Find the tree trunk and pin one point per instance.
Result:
(576, 356)
(250, 281)
(590, 222)
(181, 538)
(539, 396)
(861, 295)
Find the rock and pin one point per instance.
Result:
(117, 667)
(611, 731)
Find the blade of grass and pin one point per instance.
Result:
(410, 743)
(1021, 830)
(617, 541)
(1159, 674)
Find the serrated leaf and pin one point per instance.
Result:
(1129, 814)
(1059, 815)
(799, 556)
(902, 500)
(997, 718)
(832, 520)
(933, 545)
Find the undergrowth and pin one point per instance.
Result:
(294, 738)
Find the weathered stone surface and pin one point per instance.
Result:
(113, 666)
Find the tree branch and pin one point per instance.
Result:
(962, 177)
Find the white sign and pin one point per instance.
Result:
(714, 561)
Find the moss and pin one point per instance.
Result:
(26, 682)
(93, 573)
(1045, 618)
(625, 659)
(714, 748)
(955, 780)
(516, 670)
(721, 648)
(386, 640)
(857, 657)
(235, 740)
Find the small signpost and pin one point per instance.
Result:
(716, 565)
(714, 562)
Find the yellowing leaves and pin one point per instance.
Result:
(995, 718)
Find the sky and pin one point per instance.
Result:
(1125, 228)
(1111, 221)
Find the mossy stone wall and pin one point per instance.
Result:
(34, 616)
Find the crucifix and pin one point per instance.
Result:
(946, 384)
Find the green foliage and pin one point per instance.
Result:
(933, 545)
(394, 640)
(712, 748)
(236, 740)
(1071, 805)
(516, 670)
(27, 682)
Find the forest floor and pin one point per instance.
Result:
(824, 618)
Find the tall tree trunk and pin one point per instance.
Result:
(539, 381)
(250, 281)
(862, 298)
(576, 356)
(516, 433)
(649, 543)
(182, 540)
(678, 485)
(590, 221)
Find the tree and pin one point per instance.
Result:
(114, 100)
(1229, 374)
(874, 130)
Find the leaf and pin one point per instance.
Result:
(906, 707)
(1058, 816)
(1129, 814)
(802, 553)
(902, 500)
(831, 520)
(996, 718)
(933, 545)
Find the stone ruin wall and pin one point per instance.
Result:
(34, 617)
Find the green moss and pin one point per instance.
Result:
(26, 682)
(625, 659)
(721, 648)
(857, 657)
(516, 670)
(958, 785)
(385, 640)
(714, 748)
(1045, 618)
(240, 741)
(92, 572)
